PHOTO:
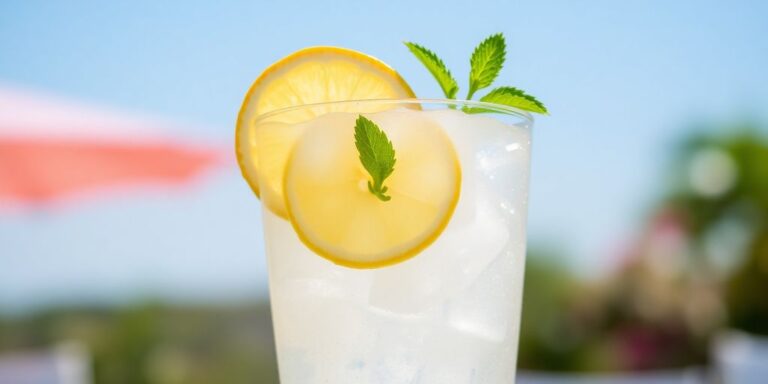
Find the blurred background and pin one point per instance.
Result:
(131, 250)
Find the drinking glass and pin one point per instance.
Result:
(451, 313)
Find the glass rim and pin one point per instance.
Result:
(525, 116)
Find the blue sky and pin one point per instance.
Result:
(624, 81)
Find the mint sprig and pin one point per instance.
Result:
(486, 63)
(376, 154)
(437, 68)
(514, 97)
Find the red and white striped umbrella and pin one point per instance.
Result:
(55, 151)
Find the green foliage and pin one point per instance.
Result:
(437, 68)
(546, 342)
(511, 97)
(156, 344)
(747, 288)
(376, 154)
(486, 63)
(745, 205)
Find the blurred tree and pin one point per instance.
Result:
(548, 340)
(731, 225)
(726, 203)
(700, 263)
(158, 344)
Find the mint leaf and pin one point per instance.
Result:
(514, 97)
(486, 62)
(376, 154)
(436, 67)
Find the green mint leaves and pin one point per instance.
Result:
(437, 68)
(376, 154)
(486, 63)
(514, 97)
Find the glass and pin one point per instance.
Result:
(450, 314)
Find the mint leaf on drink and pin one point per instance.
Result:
(514, 97)
(437, 68)
(376, 154)
(486, 63)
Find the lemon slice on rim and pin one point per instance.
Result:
(308, 76)
(334, 213)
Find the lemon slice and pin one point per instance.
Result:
(335, 214)
(308, 76)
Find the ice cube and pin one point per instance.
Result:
(297, 270)
(490, 307)
(448, 266)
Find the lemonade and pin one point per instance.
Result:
(394, 226)
(448, 315)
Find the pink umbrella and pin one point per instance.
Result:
(54, 151)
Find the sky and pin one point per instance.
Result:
(624, 82)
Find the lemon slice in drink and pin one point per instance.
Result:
(308, 76)
(334, 213)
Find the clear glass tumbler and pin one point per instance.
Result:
(451, 313)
